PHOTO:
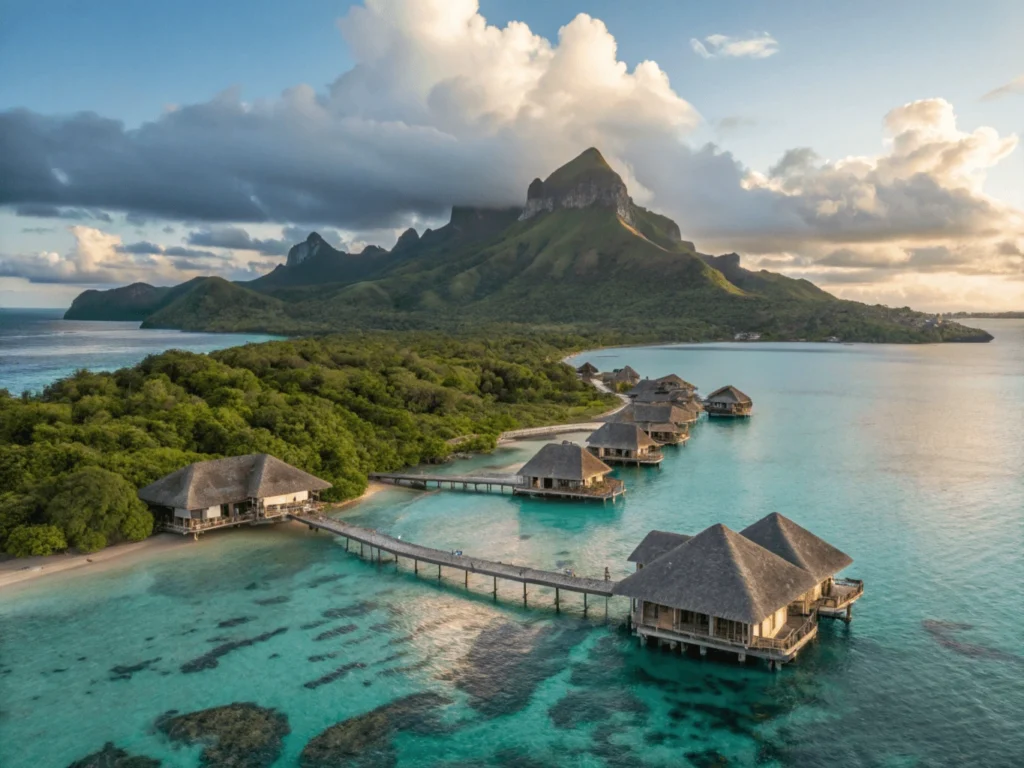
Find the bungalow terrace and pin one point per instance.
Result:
(728, 401)
(253, 489)
(756, 593)
(567, 470)
(621, 443)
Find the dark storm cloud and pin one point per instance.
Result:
(221, 161)
(145, 248)
(43, 211)
(237, 238)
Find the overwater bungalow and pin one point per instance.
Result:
(588, 370)
(720, 590)
(675, 382)
(728, 401)
(567, 470)
(252, 489)
(622, 443)
(663, 386)
(665, 423)
(830, 596)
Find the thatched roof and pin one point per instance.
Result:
(644, 385)
(564, 461)
(222, 481)
(653, 413)
(587, 368)
(625, 374)
(620, 435)
(656, 544)
(797, 545)
(720, 573)
(674, 381)
(675, 395)
(729, 394)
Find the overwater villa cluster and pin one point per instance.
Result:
(755, 593)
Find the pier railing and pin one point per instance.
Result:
(848, 591)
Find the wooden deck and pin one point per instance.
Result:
(465, 563)
(499, 483)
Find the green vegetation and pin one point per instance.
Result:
(32, 540)
(72, 458)
(579, 269)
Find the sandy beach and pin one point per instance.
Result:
(18, 572)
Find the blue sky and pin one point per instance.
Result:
(839, 69)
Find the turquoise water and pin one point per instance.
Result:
(908, 458)
(37, 346)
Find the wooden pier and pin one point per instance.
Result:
(609, 490)
(465, 563)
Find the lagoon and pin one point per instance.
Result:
(38, 347)
(907, 458)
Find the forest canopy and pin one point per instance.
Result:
(73, 457)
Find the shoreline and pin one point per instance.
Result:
(19, 572)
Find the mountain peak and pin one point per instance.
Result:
(586, 180)
(306, 249)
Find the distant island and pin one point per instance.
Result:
(997, 315)
(578, 256)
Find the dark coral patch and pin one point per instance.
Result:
(365, 740)
(344, 629)
(241, 735)
(209, 660)
(125, 671)
(234, 622)
(114, 757)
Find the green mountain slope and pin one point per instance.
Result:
(579, 254)
(214, 304)
(129, 302)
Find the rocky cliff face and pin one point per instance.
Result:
(306, 250)
(584, 182)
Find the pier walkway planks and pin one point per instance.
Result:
(467, 563)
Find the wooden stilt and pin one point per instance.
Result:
(584, 603)
(495, 586)
(415, 566)
(524, 593)
(467, 579)
(438, 571)
(557, 609)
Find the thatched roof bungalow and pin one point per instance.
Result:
(720, 590)
(566, 469)
(623, 443)
(728, 401)
(587, 370)
(210, 494)
(665, 423)
(758, 592)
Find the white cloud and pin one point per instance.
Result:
(1014, 86)
(99, 257)
(442, 108)
(758, 46)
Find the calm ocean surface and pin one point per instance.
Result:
(908, 458)
(38, 347)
